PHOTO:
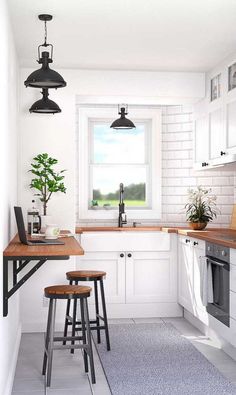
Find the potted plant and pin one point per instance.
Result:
(46, 180)
(201, 207)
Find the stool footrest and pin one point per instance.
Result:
(70, 347)
(67, 338)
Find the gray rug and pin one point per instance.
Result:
(154, 359)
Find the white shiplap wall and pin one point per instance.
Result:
(178, 174)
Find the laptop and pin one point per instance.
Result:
(22, 232)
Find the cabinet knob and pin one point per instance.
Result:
(122, 255)
(195, 243)
(187, 241)
(222, 153)
(129, 255)
(204, 164)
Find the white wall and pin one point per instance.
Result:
(9, 326)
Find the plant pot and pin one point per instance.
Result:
(197, 225)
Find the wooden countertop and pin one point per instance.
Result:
(71, 247)
(213, 235)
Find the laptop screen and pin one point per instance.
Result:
(20, 225)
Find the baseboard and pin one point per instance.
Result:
(116, 311)
(222, 343)
(11, 374)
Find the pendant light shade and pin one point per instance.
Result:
(45, 77)
(45, 105)
(122, 122)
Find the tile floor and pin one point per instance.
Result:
(68, 377)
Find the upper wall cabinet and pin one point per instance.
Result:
(231, 125)
(217, 136)
(202, 141)
(215, 120)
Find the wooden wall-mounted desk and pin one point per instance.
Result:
(21, 255)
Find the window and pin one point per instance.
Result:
(108, 157)
(115, 157)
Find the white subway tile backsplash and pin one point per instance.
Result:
(175, 154)
(187, 163)
(222, 181)
(171, 145)
(189, 181)
(174, 128)
(172, 181)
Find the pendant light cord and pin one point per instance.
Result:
(45, 33)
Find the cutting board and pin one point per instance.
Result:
(233, 218)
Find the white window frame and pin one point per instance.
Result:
(85, 114)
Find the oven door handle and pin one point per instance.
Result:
(215, 262)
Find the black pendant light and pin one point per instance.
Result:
(45, 77)
(45, 105)
(122, 122)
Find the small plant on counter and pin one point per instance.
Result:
(201, 207)
(46, 180)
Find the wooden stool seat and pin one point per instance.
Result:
(85, 275)
(66, 291)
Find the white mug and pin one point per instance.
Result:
(52, 231)
(45, 220)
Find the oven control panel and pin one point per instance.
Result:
(217, 251)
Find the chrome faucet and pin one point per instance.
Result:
(122, 220)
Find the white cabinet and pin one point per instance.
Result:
(189, 274)
(150, 277)
(141, 271)
(217, 136)
(231, 127)
(185, 273)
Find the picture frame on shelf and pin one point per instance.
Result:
(232, 76)
(216, 87)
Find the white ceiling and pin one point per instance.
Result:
(163, 35)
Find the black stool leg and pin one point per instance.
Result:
(85, 354)
(66, 319)
(89, 341)
(47, 337)
(97, 310)
(50, 345)
(105, 315)
(73, 324)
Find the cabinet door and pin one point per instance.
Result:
(202, 140)
(114, 265)
(198, 251)
(151, 277)
(231, 126)
(185, 273)
(217, 135)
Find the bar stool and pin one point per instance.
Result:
(88, 275)
(69, 292)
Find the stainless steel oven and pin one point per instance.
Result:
(218, 258)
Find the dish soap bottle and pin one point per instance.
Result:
(33, 219)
